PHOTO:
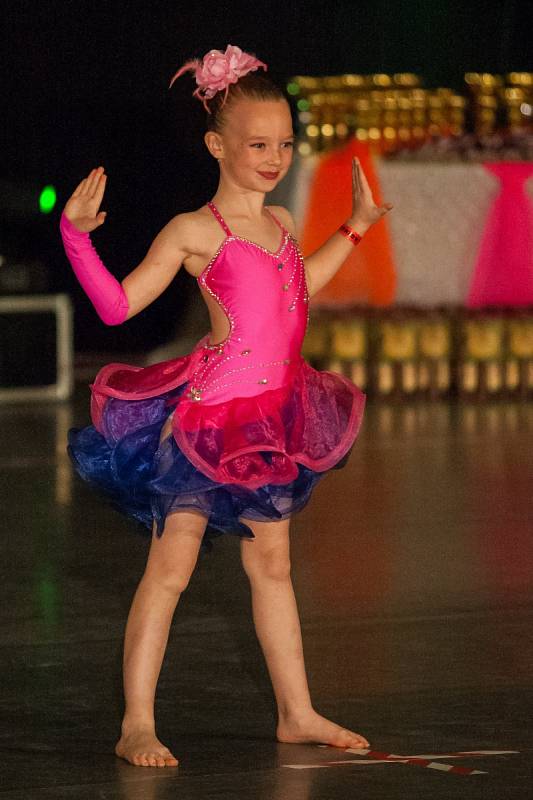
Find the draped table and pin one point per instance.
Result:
(460, 233)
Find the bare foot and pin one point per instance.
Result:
(142, 748)
(311, 727)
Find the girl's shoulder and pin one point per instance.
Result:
(192, 233)
(192, 225)
(192, 220)
(285, 217)
(200, 225)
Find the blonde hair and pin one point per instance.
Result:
(253, 86)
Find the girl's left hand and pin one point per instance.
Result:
(364, 209)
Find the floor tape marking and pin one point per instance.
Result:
(426, 761)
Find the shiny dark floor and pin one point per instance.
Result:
(413, 569)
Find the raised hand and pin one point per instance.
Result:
(364, 209)
(81, 209)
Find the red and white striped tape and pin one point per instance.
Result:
(424, 760)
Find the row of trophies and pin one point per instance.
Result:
(401, 352)
(394, 112)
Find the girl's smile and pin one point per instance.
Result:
(271, 176)
(254, 147)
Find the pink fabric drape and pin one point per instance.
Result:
(503, 274)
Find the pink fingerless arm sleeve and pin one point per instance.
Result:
(104, 291)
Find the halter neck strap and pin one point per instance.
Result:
(212, 207)
(276, 220)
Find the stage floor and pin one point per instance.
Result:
(413, 569)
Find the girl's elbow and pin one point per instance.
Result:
(115, 316)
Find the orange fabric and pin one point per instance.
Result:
(368, 275)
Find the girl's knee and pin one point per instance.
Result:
(172, 581)
(265, 563)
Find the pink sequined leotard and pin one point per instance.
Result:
(253, 392)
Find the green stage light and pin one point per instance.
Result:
(293, 88)
(47, 199)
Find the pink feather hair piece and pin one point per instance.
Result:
(217, 70)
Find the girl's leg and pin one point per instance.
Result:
(170, 564)
(171, 561)
(266, 561)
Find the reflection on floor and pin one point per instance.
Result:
(413, 568)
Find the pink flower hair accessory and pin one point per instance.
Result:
(217, 70)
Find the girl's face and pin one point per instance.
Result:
(255, 143)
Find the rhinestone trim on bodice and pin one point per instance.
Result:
(211, 372)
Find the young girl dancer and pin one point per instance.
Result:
(232, 437)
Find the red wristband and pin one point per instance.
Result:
(350, 234)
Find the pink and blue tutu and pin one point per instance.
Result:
(145, 479)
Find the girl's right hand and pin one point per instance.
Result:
(81, 209)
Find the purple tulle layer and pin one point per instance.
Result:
(148, 480)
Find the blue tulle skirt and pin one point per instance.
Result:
(147, 479)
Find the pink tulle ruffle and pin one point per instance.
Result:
(251, 441)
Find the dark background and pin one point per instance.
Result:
(86, 83)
